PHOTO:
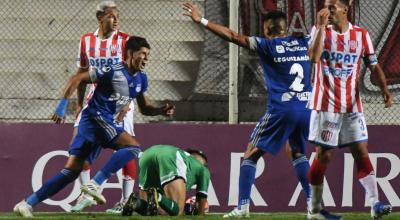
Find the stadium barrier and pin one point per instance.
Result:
(32, 153)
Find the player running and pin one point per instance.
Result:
(117, 85)
(337, 118)
(105, 46)
(165, 174)
(286, 69)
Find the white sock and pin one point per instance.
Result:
(245, 206)
(127, 187)
(84, 177)
(316, 198)
(370, 186)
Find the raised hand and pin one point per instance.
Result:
(192, 11)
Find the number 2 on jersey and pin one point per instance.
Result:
(297, 70)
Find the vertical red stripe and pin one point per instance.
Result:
(340, 42)
(353, 41)
(103, 48)
(364, 43)
(328, 39)
(337, 94)
(349, 104)
(325, 95)
(317, 85)
(92, 46)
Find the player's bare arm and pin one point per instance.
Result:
(316, 47)
(73, 83)
(146, 108)
(377, 72)
(225, 33)
(201, 204)
(80, 92)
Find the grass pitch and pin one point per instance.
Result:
(260, 216)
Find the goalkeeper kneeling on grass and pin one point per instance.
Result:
(165, 174)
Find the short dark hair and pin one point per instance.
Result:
(198, 152)
(135, 43)
(274, 15)
(345, 2)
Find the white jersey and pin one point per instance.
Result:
(336, 86)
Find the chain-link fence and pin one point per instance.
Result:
(188, 65)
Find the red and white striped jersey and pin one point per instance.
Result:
(97, 52)
(336, 86)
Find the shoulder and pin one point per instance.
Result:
(123, 35)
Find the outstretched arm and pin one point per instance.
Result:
(225, 33)
(74, 81)
(377, 72)
(317, 45)
(146, 108)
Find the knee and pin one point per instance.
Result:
(325, 156)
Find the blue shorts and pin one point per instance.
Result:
(94, 133)
(274, 129)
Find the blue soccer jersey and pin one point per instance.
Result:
(287, 68)
(116, 88)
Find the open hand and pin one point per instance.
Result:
(192, 11)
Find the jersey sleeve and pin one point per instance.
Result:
(203, 181)
(145, 83)
(261, 45)
(82, 60)
(100, 75)
(369, 55)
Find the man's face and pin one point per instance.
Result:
(137, 60)
(110, 19)
(338, 11)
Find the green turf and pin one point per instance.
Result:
(272, 216)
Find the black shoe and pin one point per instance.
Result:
(130, 205)
(152, 201)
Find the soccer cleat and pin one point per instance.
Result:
(117, 209)
(152, 201)
(379, 209)
(83, 202)
(23, 209)
(130, 205)
(323, 214)
(238, 213)
(91, 189)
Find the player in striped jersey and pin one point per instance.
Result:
(105, 46)
(286, 68)
(337, 118)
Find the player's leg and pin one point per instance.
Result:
(173, 199)
(356, 137)
(268, 136)
(52, 186)
(324, 132)
(297, 148)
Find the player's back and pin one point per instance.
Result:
(287, 69)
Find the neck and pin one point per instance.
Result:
(341, 27)
(104, 34)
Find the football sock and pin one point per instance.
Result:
(316, 179)
(367, 178)
(301, 166)
(84, 177)
(246, 180)
(52, 186)
(127, 187)
(116, 162)
(168, 205)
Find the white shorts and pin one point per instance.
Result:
(128, 119)
(332, 130)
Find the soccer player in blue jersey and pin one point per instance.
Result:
(287, 70)
(117, 85)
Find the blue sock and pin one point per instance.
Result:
(116, 162)
(246, 180)
(52, 186)
(301, 166)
